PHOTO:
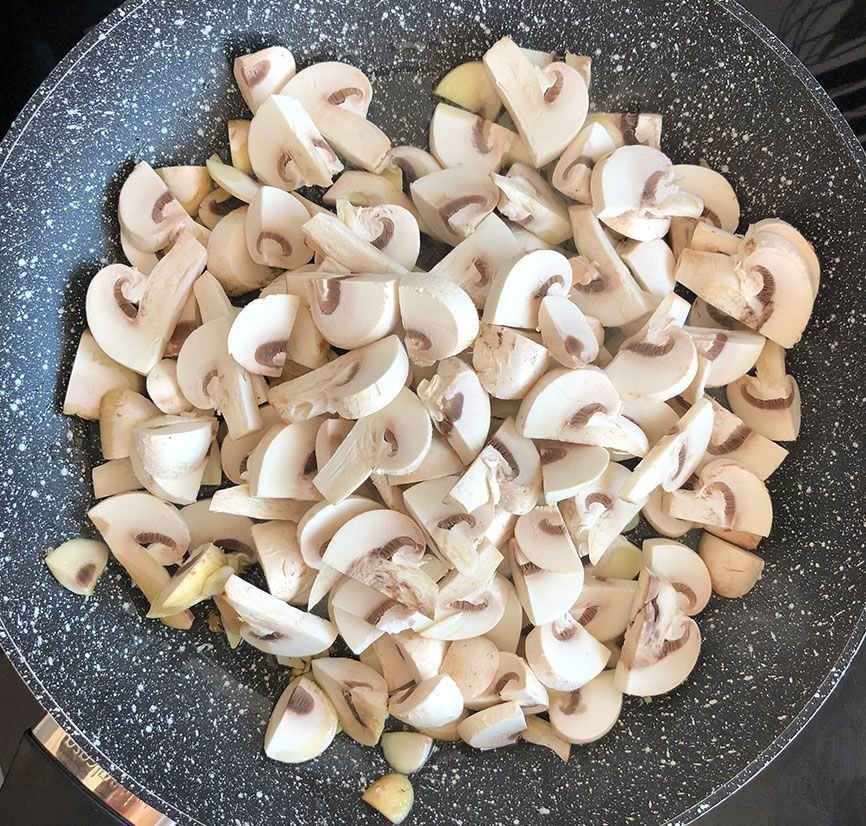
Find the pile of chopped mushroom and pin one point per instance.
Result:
(443, 463)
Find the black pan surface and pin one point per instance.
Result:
(179, 717)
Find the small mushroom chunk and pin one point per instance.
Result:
(507, 473)
(120, 412)
(423, 655)
(460, 138)
(604, 606)
(382, 549)
(258, 338)
(566, 332)
(388, 227)
(458, 405)
(303, 723)
(188, 184)
(406, 751)
(114, 476)
(234, 453)
(149, 215)
(211, 379)
(543, 539)
(238, 500)
(726, 494)
(564, 655)
(514, 682)
(472, 613)
(78, 564)
(774, 232)
(494, 727)
(453, 202)
(631, 128)
(651, 263)
(434, 702)
(472, 664)
(603, 286)
(734, 571)
(566, 468)
(229, 532)
(731, 353)
(661, 644)
(540, 733)
(683, 569)
(721, 207)
(132, 316)
(337, 97)
(675, 457)
(215, 206)
(468, 85)
(283, 464)
(659, 361)
(661, 521)
(263, 73)
(228, 257)
(392, 796)
(573, 171)
(356, 384)
(622, 560)
(769, 402)
(238, 184)
(278, 553)
(331, 237)
(634, 191)
(515, 296)
(544, 595)
(211, 299)
(187, 321)
(528, 200)
(548, 105)
(369, 189)
(359, 696)
(163, 389)
(439, 319)
(588, 713)
(393, 440)
(440, 461)
(238, 134)
(654, 417)
(200, 577)
(508, 362)
(273, 229)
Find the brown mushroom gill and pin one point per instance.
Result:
(274, 238)
(719, 317)
(765, 297)
(271, 353)
(553, 281)
(385, 235)
(84, 574)
(628, 124)
(391, 547)
(736, 440)
(580, 160)
(553, 91)
(350, 703)
(598, 498)
(207, 378)
(311, 466)
(157, 214)
(129, 309)
(283, 168)
(419, 340)
(551, 528)
(480, 135)
(581, 417)
(455, 519)
(573, 346)
(390, 439)
(669, 646)
(728, 497)
(327, 294)
(340, 96)
(550, 455)
(711, 217)
(465, 605)
(234, 545)
(650, 189)
(712, 352)
(564, 634)
(350, 372)
(450, 208)
(153, 538)
(452, 410)
(681, 460)
(409, 173)
(529, 568)
(484, 272)
(225, 206)
(778, 403)
(301, 702)
(504, 451)
(597, 282)
(326, 150)
(503, 681)
(688, 593)
(572, 705)
(650, 349)
(588, 614)
(255, 74)
(379, 611)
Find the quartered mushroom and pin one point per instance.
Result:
(229, 259)
(188, 184)
(572, 174)
(229, 532)
(371, 189)
(453, 202)
(461, 138)
(283, 463)
(356, 384)
(114, 476)
(215, 206)
(660, 520)
(150, 216)
(202, 575)
(473, 614)
(604, 606)
(548, 105)
(434, 702)
(514, 682)
(331, 237)
(392, 796)
(406, 751)
(494, 727)
(544, 595)
(564, 655)
(121, 410)
(238, 184)
(263, 73)
(774, 232)
(566, 332)
(440, 461)
(277, 552)
(468, 85)
(566, 468)
(234, 453)
(588, 713)
(733, 571)
(472, 664)
(259, 335)
(273, 229)
(721, 207)
(731, 353)
(337, 97)
(508, 362)
(726, 494)
(768, 402)
(651, 263)
(77, 565)
(388, 227)
(543, 539)
(238, 130)
(683, 569)
(302, 725)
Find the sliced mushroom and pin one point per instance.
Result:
(631, 128)
(622, 560)
(163, 389)
(742, 539)
(329, 235)
(263, 73)
(368, 189)
(661, 521)
(278, 553)
(514, 682)
(354, 385)
(543, 539)
(239, 501)
(273, 229)
(564, 655)
(566, 468)
(494, 727)
(544, 595)
(150, 216)
(588, 713)
(472, 664)
(234, 453)
(726, 494)
(114, 476)
(388, 227)
(201, 576)
(508, 362)
(283, 463)
(359, 696)
(434, 702)
(238, 184)
(228, 257)
(651, 263)
(461, 139)
(78, 564)
(472, 613)
(775, 232)
(238, 134)
(423, 655)
(721, 207)
(337, 97)
(228, 532)
(548, 105)
(258, 338)
(211, 299)
(215, 206)
(468, 85)
(654, 417)
(528, 200)
(453, 202)
(604, 606)
(769, 402)
(188, 184)
(733, 571)
(357, 633)
(683, 569)
(441, 460)
(515, 296)
(121, 410)
(573, 171)
(458, 406)
(731, 353)
(406, 751)
(566, 332)
(303, 723)
(540, 733)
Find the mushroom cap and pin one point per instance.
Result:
(229, 259)
(260, 74)
(277, 551)
(411, 163)
(472, 664)
(683, 569)
(527, 199)
(328, 235)
(508, 362)
(604, 606)
(588, 713)
(316, 528)
(258, 338)
(434, 702)
(651, 263)
(494, 727)
(215, 206)
(390, 228)
(731, 353)
(564, 655)
(573, 171)
(163, 389)
(273, 229)
(150, 216)
(121, 410)
(283, 463)
(721, 207)
(544, 595)
(189, 184)
(359, 696)
(303, 723)
(461, 138)
(543, 539)
(566, 332)
(733, 571)
(439, 319)
(468, 85)
(566, 468)
(514, 682)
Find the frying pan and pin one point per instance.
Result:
(178, 717)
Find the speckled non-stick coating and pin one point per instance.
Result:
(178, 716)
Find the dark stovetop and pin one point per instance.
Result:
(820, 779)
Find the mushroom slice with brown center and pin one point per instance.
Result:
(468, 85)
(77, 564)
(548, 105)
(188, 184)
(544, 595)
(439, 319)
(564, 655)
(273, 229)
(461, 139)
(260, 74)
(330, 236)
(603, 287)
(588, 713)
(604, 606)
(303, 723)
(508, 362)
(382, 549)
(566, 332)
(211, 379)
(727, 495)
(675, 457)
(683, 569)
(408, 163)
(776, 232)
(566, 468)
(653, 416)
(453, 202)
(369, 189)
(514, 682)
(150, 216)
(769, 402)
(283, 464)
(337, 96)
(733, 571)
(507, 472)
(573, 171)
(234, 453)
(472, 615)
(392, 440)
(228, 256)
(731, 353)
(515, 295)
(388, 227)
(631, 128)
(494, 727)
(132, 316)
(528, 200)
(356, 384)
(472, 664)
(651, 263)
(258, 338)
(359, 696)
(480, 258)
(215, 206)
(276, 550)
(661, 644)
(434, 702)
(721, 207)
(458, 406)
(543, 539)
